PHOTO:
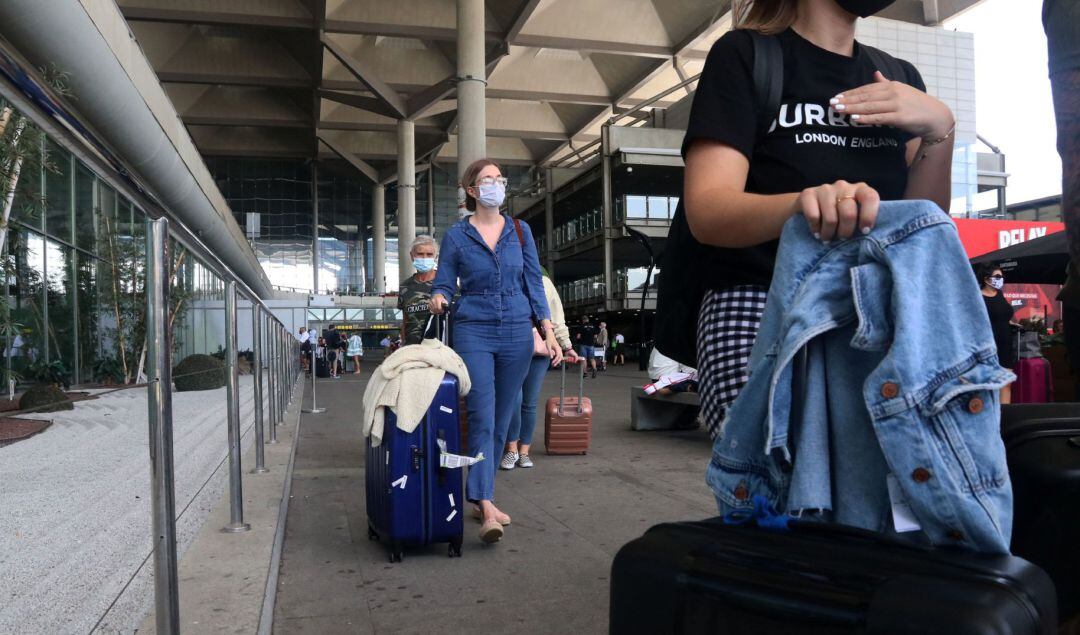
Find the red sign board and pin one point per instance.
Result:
(981, 236)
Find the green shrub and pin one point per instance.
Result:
(45, 398)
(54, 372)
(199, 372)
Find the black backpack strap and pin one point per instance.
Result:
(768, 76)
(888, 65)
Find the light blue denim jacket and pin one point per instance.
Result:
(497, 287)
(901, 376)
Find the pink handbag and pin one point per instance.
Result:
(540, 348)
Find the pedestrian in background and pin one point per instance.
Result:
(356, 351)
(1000, 311)
(415, 291)
(492, 262)
(618, 346)
(523, 420)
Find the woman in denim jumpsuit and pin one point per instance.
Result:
(498, 280)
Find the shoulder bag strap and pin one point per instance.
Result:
(524, 284)
(768, 76)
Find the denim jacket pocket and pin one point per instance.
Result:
(964, 417)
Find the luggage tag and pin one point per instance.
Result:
(453, 461)
(903, 518)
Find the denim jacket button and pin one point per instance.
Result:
(920, 475)
(975, 406)
(741, 493)
(889, 390)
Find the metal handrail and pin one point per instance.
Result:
(652, 100)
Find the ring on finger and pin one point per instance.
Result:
(840, 199)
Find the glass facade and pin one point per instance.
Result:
(271, 201)
(74, 261)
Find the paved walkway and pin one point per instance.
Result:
(549, 573)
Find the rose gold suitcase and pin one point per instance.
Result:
(568, 420)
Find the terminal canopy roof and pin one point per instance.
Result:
(307, 78)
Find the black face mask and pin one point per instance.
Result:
(863, 8)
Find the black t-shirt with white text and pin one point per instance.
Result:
(807, 143)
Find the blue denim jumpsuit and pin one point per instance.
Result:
(500, 292)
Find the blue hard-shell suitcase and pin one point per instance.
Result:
(411, 501)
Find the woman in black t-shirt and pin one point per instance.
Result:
(991, 280)
(844, 138)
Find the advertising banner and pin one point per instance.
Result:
(981, 236)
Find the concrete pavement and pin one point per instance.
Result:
(549, 573)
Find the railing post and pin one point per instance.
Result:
(289, 362)
(282, 334)
(236, 494)
(159, 398)
(256, 348)
(271, 420)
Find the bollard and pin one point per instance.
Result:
(314, 409)
(159, 399)
(236, 494)
(256, 348)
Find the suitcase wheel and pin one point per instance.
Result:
(396, 552)
(454, 549)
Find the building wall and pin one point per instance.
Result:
(946, 61)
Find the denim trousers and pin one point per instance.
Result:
(497, 357)
(523, 419)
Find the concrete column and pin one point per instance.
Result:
(549, 222)
(472, 83)
(609, 245)
(315, 257)
(378, 238)
(431, 198)
(406, 215)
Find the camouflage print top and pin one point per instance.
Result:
(413, 297)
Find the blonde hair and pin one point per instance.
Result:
(764, 16)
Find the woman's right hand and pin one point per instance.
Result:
(837, 210)
(437, 304)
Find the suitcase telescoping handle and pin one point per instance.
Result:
(581, 386)
(442, 326)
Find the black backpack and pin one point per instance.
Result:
(681, 288)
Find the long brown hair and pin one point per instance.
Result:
(764, 16)
(468, 179)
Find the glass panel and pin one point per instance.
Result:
(87, 316)
(636, 207)
(29, 200)
(658, 207)
(354, 314)
(371, 315)
(61, 301)
(26, 301)
(673, 205)
(85, 223)
(316, 315)
(58, 193)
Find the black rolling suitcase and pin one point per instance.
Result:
(711, 577)
(1042, 443)
(322, 369)
(820, 578)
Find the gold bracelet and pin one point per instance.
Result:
(926, 143)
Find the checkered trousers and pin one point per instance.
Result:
(727, 326)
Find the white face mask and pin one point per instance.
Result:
(997, 283)
(491, 195)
